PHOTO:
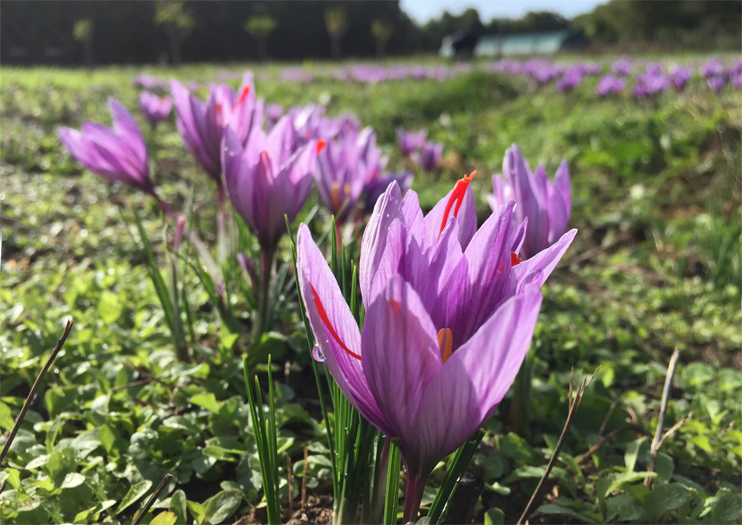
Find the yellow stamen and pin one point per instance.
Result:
(445, 343)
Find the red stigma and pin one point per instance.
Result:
(326, 321)
(243, 95)
(514, 259)
(457, 196)
(320, 146)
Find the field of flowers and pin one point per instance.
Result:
(165, 240)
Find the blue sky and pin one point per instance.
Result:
(424, 10)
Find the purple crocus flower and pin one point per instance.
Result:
(449, 318)
(622, 66)
(201, 125)
(545, 204)
(609, 84)
(155, 109)
(649, 84)
(680, 76)
(570, 80)
(268, 178)
(376, 187)
(148, 82)
(717, 82)
(736, 80)
(273, 112)
(712, 68)
(118, 154)
(344, 168)
(410, 141)
(429, 156)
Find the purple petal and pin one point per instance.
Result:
(535, 271)
(474, 380)
(400, 355)
(387, 209)
(345, 369)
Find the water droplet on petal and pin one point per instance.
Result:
(317, 354)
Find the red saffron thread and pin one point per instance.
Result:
(326, 321)
(457, 196)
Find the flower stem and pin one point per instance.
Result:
(221, 200)
(264, 293)
(413, 495)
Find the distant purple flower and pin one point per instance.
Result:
(268, 178)
(410, 141)
(648, 85)
(148, 82)
(622, 66)
(378, 185)
(717, 83)
(610, 85)
(450, 313)
(545, 204)
(155, 109)
(273, 111)
(118, 154)
(712, 68)
(654, 68)
(429, 156)
(736, 80)
(570, 80)
(680, 76)
(344, 168)
(201, 125)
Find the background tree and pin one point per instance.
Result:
(259, 27)
(178, 24)
(336, 21)
(83, 32)
(382, 31)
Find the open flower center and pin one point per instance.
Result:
(457, 197)
(326, 321)
(445, 343)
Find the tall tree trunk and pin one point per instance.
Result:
(175, 49)
(336, 46)
(261, 49)
(89, 59)
(380, 47)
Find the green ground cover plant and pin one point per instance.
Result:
(657, 265)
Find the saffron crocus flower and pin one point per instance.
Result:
(201, 125)
(268, 178)
(155, 109)
(544, 203)
(429, 156)
(610, 85)
(716, 83)
(410, 141)
(344, 168)
(377, 186)
(570, 80)
(622, 66)
(680, 76)
(273, 112)
(118, 154)
(450, 313)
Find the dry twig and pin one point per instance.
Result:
(575, 397)
(658, 438)
(152, 499)
(35, 387)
